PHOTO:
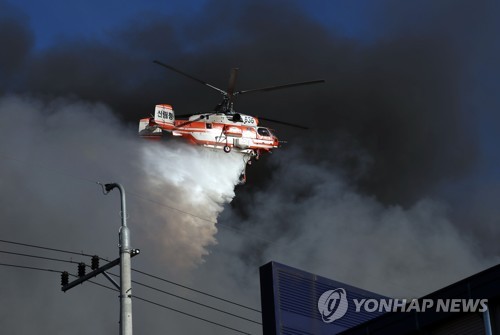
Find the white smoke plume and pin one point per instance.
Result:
(175, 192)
(194, 181)
(52, 153)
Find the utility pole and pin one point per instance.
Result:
(125, 266)
(126, 253)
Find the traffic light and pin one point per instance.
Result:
(81, 269)
(94, 262)
(64, 278)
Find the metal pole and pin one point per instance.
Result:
(125, 267)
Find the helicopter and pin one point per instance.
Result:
(222, 128)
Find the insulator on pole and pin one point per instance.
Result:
(94, 262)
(64, 278)
(81, 269)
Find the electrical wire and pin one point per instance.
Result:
(197, 291)
(137, 195)
(46, 248)
(137, 283)
(134, 297)
(193, 316)
(29, 267)
(38, 257)
(135, 270)
(192, 301)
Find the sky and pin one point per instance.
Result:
(393, 188)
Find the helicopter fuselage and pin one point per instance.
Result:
(238, 132)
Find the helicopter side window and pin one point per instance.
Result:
(263, 132)
(209, 125)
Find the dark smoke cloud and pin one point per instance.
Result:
(396, 102)
(17, 41)
(320, 223)
(396, 121)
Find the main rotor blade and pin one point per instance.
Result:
(278, 87)
(282, 122)
(232, 82)
(190, 77)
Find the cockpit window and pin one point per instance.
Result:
(263, 131)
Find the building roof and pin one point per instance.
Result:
(483, 285)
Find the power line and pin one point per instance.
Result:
(46, 248)
(38, 257)
(137, 195)
(193, 316)
(173, 309)
(138, 283)
(135, 270)
(197, 291)
(53, 271)
(29, 267)
(192, 301)
(135, 297)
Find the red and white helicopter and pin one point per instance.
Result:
(223, 128)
